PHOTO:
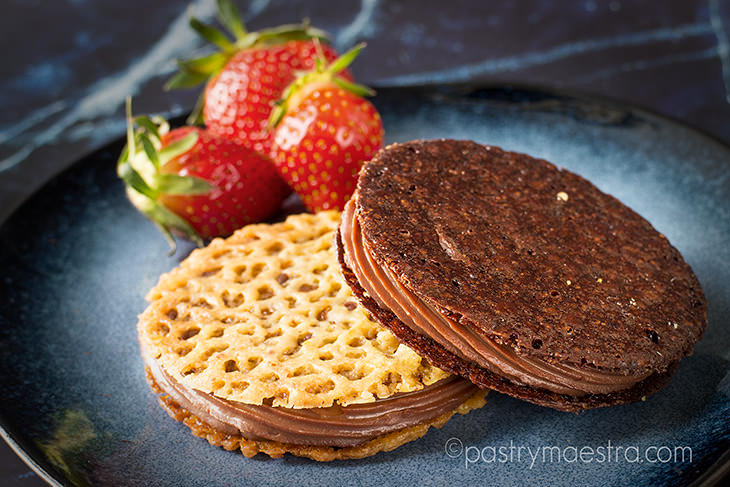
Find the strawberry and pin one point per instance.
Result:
(323, 132)
(195, 183)
(239, 99)
(248, 75)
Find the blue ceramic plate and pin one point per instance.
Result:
(76, 260)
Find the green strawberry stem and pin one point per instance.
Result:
(323, 73)
(145, 184)
(193, 72)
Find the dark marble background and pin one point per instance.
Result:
(68, 64)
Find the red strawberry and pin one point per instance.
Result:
(195, 183)
(239, 99)
(324, 131)
(248, 75)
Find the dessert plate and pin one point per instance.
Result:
(76, 260)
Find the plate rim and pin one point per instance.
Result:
(26, 457)
(562, 92)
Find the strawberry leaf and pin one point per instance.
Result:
(177, 148)
(164, 218)
(133, 180)
(170, 220)
(230, 17)
(168, 237)
(123, 157)
(162, 126)
(130, 129)
(140, 171)
(181, 185)
(346, 59)
(150, 150)
(290, 32)
(146, 123)
(276, 115)
(206, 65)
(184, 79)
(211, 34)
(358, 89)
(196, 116)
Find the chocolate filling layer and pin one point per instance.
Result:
(384, 287)
(334, 426)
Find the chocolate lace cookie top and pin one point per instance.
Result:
(530, 256)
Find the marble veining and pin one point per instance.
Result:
(73, 118)
(105, 96)
(513, 63)
(644, 64)
(723, 44)
(361, 24)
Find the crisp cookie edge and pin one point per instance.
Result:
(249, 448)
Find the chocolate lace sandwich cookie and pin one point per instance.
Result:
(256, 343)
(517, 275)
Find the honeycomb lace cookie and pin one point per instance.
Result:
(262, 325)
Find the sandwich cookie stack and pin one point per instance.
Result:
(519, 276)
(256, 343)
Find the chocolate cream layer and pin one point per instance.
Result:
(335, 426)
(422, 317)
